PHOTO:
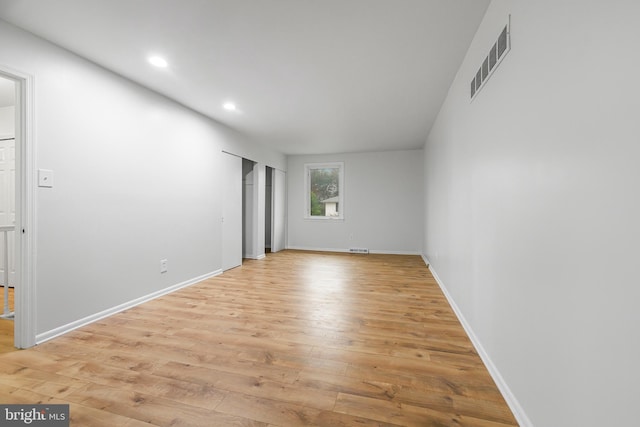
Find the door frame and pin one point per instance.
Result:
(25, 241)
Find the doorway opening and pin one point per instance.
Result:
(249, 206)
(7, 212)
(253, 210)
(268, 210)
(17, 219)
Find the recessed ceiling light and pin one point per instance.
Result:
(229, 106)
(158, 61)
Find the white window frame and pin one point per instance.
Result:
(307, 190)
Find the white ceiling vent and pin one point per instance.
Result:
(496, 54)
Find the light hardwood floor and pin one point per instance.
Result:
(295, 339)
(6, 326)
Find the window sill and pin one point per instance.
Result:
(324, 218)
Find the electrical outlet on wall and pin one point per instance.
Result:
(163, 266)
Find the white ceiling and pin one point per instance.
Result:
(308, 76)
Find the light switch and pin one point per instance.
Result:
(45, 178)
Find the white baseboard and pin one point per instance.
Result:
(261, 256)
(371, 251)
(307, 248)
(509, 397)
(45, 336)
(383, 252)
(427, 263)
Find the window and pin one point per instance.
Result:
(324, 190)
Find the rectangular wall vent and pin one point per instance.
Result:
(496, 54)
(358, 251)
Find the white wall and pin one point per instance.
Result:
(7, 122)
(137, 179)
(372, 180)
(532, 207)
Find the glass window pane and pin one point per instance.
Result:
(324, 191)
